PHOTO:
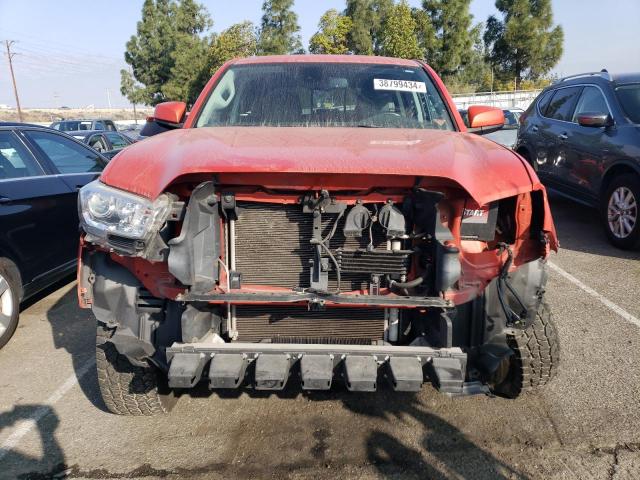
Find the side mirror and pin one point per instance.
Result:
(166, 116)
(484, 119)
(171, 113)
(594, 119)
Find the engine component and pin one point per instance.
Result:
(392, 220)
(390, 262)
(358, 218)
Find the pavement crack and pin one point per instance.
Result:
(614, 451)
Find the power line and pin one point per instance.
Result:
(8, 44)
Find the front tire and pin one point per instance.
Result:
(128, 389)
(620, 213)
(535, 359)
(9, 300)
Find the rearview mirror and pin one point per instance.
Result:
(595, 119)
(484, 119)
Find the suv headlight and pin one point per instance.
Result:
(106, 211)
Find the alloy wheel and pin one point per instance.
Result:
(622, 212)
(6, 305)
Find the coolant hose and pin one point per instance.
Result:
(410, 284)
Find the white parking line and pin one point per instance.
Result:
(617, 309)
(28, 424)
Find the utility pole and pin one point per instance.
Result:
(109, 98)
(13, 78)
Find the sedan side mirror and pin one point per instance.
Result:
(484, 119)
(166, 116)
(595, 119)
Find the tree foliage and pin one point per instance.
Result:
(239, 40)
(367, 18)
(452, 47)
(523, 44)
(398, 33)
(162, 52)
(279, 29)
(130, 89)
(332, 36)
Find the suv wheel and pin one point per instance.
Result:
(9, 300)
(128, 389)
(620, 211)
(535, 359)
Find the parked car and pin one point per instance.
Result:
(582, 136)
(105, 142)
(75, 125)
(317, 215)
(41, 171)
(132, 131)
(508, 134)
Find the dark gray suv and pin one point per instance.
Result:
(582, 136)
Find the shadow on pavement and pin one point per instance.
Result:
(580, 229)
(51, 464)
(74, 329)
(444, 451)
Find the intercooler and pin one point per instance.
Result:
(272, 246)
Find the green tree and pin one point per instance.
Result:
(452, 48)
(279, 29)
(367, 18)
(524, 44)
(425, 33)
(131, 90)
(189, 72)
(398, 34)
(166, 45)
(332, 34)
(239, 40)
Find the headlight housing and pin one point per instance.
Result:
(105, 211)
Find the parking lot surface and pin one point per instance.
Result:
(583, 425)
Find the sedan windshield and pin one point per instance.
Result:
(629, 98)
(325, 95)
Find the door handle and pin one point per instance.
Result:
(534, 128)
(4, 199)
(563, 136)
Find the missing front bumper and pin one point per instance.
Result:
(270, 366)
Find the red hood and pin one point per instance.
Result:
(484, 169)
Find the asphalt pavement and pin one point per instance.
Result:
(583, 425)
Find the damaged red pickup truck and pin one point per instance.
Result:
(317, 219)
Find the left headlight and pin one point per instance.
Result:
(106, 211)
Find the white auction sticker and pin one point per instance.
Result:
(399, 85)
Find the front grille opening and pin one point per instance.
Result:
(259, 323)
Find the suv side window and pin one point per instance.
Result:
(562, 104)
(15, 160)
(117, 140)
(110, 126)
(543, 103)
(65, 154)
(592, 101)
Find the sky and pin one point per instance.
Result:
(70, 53)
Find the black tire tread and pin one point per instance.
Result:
(536, 356)
(126, 389)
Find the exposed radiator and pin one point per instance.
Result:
(294, 324)
(273, 248)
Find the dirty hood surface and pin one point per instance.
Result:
(484, 169)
